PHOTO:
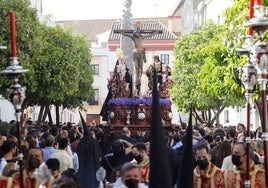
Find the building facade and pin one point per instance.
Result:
(184, 17)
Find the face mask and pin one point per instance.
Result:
(203, 164)
(138, 158)
(131, 183)
(236, 160)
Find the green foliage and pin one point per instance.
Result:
(59, 66)
(207, 66)
(63, 70)
(199, 71)
(235, 37)
(27, 29)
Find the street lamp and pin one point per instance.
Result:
(16, 93)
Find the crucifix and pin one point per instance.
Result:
(137, 36)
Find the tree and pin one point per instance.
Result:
(28, 43)
(63, 70)
(235, 17)
(199, 74)
(59, 62)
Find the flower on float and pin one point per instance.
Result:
(137, 101)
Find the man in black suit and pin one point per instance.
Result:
(126, 135)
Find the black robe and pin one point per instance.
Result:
(88, 156)
(89, 159)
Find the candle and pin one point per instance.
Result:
(12, 33)
(251, 10)
(258, 2)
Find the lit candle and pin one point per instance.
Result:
(251, 10)
(258, 2)
(12, 33)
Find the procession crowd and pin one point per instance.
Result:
(53, 156)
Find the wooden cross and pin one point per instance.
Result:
(137, 35)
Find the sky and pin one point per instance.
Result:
(105, 9)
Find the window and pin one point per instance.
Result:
(226, 115)
(95, 98)
(96, 69)
(165, 58)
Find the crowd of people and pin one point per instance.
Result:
(60, 156)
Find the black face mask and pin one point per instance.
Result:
(236, 160)
(203, 164)
(138, 158)
(132, 183)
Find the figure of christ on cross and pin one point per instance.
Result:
(137, 36)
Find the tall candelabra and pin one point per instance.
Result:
(258, 61)
(16, 93)
(248, 78)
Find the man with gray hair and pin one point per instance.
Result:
(49, 147)
(130, 176)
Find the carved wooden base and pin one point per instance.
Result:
(137, 116)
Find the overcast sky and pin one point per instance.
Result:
(105, 9)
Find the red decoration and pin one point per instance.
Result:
(12, 33)
(251, 12)
(258, 2)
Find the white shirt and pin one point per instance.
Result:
(3, 163)
(118, 183)
(65, 160)
(227, 163)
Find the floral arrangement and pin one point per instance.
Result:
(137, 101)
